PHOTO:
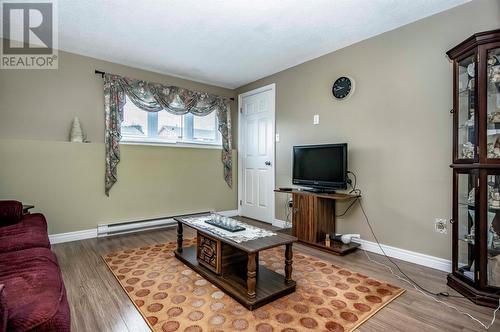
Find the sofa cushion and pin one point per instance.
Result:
(34, 291)
(3, 311)
(10, 212)
(31, 232)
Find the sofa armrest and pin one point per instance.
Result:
(11, 212)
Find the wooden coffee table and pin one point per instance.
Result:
(234, 267)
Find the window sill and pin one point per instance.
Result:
(172, 144)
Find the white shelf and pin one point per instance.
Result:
(492, 132)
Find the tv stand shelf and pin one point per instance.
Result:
(335, 196)
(313, 216)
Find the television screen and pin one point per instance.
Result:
(320, 165)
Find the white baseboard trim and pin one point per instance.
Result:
(92, 233)
(407, 255)
(281, 223)
(402, 254)
(73, 236)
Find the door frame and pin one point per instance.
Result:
(272, 88)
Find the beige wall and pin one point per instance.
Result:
(397, 123)
(41, 104)
(66, 180)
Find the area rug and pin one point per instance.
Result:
(172, 297)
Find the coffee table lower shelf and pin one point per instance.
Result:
(269, 286)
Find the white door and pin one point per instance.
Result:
(256, 151)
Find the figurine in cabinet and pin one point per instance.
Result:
(493, 60)
(494, 270)
(493, 239)
(494, 68)
(494, 74)
(495, 200)
(494, 230)
(494, 117)
(472, 197)
(470, 122)
(493, 149)
(468, 150)
(495, 243)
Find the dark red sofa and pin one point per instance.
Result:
(32, 293)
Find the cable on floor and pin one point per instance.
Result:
(358, 192)
(418, 287)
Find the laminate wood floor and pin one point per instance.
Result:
(98, 303)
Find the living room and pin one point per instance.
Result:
(254, 166)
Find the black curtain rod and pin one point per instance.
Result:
(98, 72)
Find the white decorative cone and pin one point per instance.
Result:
(76, 134)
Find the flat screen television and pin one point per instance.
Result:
(320, 167)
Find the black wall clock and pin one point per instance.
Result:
(343, 87)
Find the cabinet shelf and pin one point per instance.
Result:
(493, 132)
(471, 242)
(490, 208)
(466, 126)
(492, 252)
(466, 92)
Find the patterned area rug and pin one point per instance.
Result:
(172, 297)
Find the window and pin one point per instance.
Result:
(135, 121)
(139, 126)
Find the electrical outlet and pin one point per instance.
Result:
(440, 225)
(316, 119)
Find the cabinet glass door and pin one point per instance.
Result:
(493, 102)
(466, 219)
(466, 100)
(493, 231)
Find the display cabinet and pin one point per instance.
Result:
(476, 168)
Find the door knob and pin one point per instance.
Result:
(268, 163)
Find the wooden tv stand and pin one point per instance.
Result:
(313, 216)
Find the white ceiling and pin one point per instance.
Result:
(228, 42)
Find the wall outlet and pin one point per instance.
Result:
(441, 225)
(316, 119)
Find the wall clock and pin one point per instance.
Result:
(343, 87)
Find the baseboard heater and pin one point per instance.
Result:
(104, 230)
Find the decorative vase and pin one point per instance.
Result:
(76, 134)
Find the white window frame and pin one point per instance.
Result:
(187, 134)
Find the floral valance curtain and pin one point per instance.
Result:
(155, 97)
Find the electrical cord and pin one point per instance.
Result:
(353, 190)
(288, 210)
(358, 191)
(446, 294)
(409, 280)
(355, 181)
(419, 288)
(348, 208)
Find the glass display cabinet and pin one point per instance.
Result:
(476, 168)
